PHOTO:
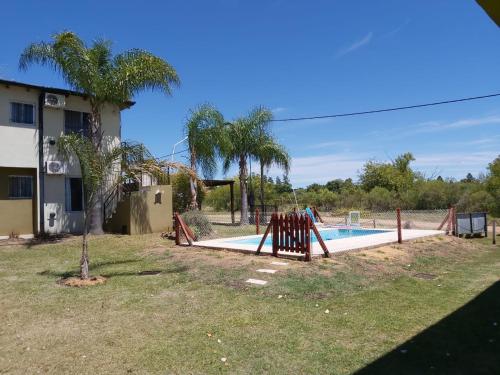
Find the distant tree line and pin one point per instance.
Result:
(381, 186)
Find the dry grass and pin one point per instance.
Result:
(79, 283)
(180, 310)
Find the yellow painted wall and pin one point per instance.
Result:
(17, 216)
(141, 212)
(120, 222)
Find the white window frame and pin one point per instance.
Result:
(25, 176)
(22, 124)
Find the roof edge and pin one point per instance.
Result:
(55, 90)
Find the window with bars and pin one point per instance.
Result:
(74, 194)
(20, 187)
(22, 113)
(76, 123)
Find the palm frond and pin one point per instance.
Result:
(137, 70)
(94, 71)
(271, 153)
(136, 160)
(205, 137)
(251, 137)
(37, 53)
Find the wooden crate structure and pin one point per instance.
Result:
(292, 233)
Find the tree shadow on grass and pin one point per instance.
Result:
(465, 342)
(93, 267)
(152, 272)
(96, 265)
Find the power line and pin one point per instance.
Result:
(388, 109)
(450, 101)
(175, 153)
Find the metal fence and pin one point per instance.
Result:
(410, 219)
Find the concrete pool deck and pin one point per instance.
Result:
(334, 246)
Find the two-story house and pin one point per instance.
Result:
(38, 192)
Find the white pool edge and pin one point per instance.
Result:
(334, 246)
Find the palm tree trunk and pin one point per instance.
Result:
(96, 215)
(192, 184)
(84, 260)
(262, 187)
(243, 190)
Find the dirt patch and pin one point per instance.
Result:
(383, 253)
(77, 282)
(227, 259)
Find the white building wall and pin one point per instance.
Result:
(19, 142)
(55, 201)
(19, 148)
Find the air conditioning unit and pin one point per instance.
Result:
(55, 167)
(54, 100)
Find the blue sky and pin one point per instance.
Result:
(301, 58)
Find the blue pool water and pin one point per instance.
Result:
(326, 234)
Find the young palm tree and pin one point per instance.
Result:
(96, 167)
(104, 78)
(247, 140)
(205, 140)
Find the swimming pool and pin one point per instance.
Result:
(326, 234)
(336, 240)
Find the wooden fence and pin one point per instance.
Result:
(450, 221)
(182, 227)
(292, 233)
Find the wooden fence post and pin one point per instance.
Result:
(307, 238)
(485, 225)
(398, 218)
(188, 233)
(494, 234)
(177, 229)
(275, 234)
(257, 221)
(266, 233)
(453, 221)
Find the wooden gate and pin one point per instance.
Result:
(292, 233)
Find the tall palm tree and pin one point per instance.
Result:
(270, 152)
(103, 77)
(246, 140)
(205, 139)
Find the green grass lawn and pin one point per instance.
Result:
(381, 317)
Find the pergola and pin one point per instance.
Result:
(492, 7)
(212, 183)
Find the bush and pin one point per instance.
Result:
(199, 223)
(380, 199)
(479, 201)
(181, 191)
